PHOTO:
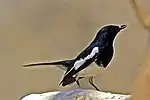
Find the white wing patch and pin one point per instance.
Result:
(81, 61)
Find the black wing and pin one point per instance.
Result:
(82, 61)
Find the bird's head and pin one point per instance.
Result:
(110, 31)
(113, 29)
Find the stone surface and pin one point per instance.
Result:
(78, 94)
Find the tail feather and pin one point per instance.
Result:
(43, 63)
(64, 65)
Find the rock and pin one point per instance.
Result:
(78, 94)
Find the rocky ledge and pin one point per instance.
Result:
(78, 94)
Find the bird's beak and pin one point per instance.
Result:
(123, 26)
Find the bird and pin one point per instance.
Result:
(100, 51)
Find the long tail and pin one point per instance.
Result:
(65, 64)
(43, 63)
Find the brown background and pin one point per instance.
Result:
(35, 30)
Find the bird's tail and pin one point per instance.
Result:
(67, 80)
(43, 63)
(65, 64)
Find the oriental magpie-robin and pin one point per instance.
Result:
(100, 51)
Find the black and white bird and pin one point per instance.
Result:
(100, 51)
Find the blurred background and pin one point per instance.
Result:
(48, 30)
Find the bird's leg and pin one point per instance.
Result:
(77, 81)
(92, 83)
